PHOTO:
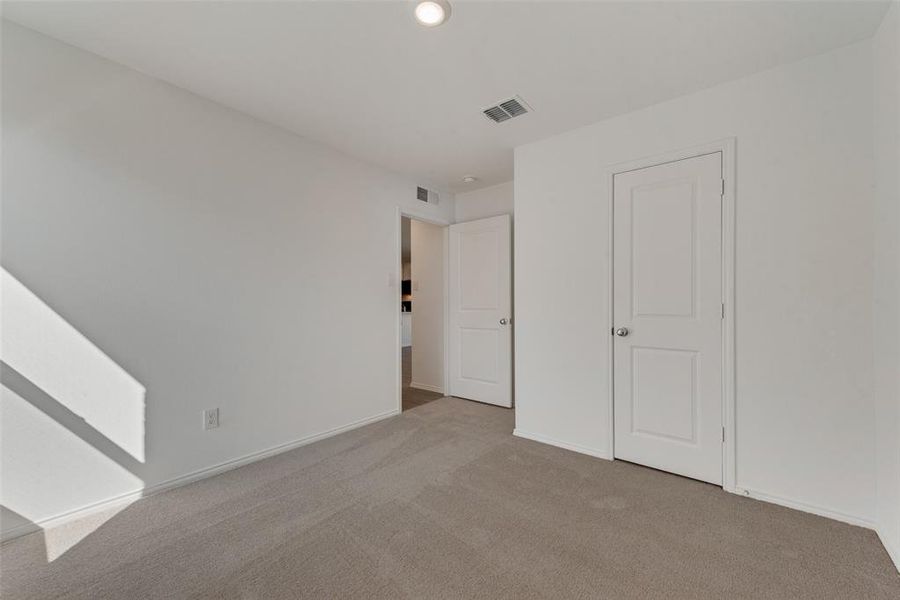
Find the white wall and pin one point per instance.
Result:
(195, 257)
(486, 202)
(887, 278)
(805, 414)
(427, 306)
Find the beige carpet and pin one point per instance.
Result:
(442, 502)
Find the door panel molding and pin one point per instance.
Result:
(727, 148)
(480, 310)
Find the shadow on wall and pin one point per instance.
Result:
(71, 423)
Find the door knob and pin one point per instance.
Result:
(504, 321)
(622, 331)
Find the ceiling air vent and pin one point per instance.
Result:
(506, 110)
(426, 195)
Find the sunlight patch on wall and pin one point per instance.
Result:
(48, 471)
(72, 426)
(68, 367)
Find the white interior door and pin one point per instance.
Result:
(480, 311)
(667, 315)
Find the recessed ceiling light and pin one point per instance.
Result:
(469, 179)
(432, 13)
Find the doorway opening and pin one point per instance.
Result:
(421, 312)
(454, 326)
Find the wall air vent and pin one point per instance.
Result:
(426, 195)
(506, 110)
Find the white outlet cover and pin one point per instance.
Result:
(211, 418)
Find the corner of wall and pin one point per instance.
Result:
(886, 280)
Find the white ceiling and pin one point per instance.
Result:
(363, 77)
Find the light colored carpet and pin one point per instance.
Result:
(442, 502)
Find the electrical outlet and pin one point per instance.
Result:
(211, 418)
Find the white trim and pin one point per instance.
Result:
(805, 507)
(892, 551)
(447, 311)
(536, 437)
(729, 268)
(755, 495)
(27, 528)
(427, 387)
(398, 323)
(413, 213)
(727, 147)
(129, 497)
(610, 342)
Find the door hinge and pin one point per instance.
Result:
(723, 435)
(722, 190)
(723, 310)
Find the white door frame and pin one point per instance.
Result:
(727, 148)
(406, 211)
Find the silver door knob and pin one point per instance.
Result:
(504, 321)
(622, 331)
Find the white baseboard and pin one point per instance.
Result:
(796, 505)
(565, 445)
(805, 507)
(129, 497)
(893, 551)
(17, 532)
(427, 387)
